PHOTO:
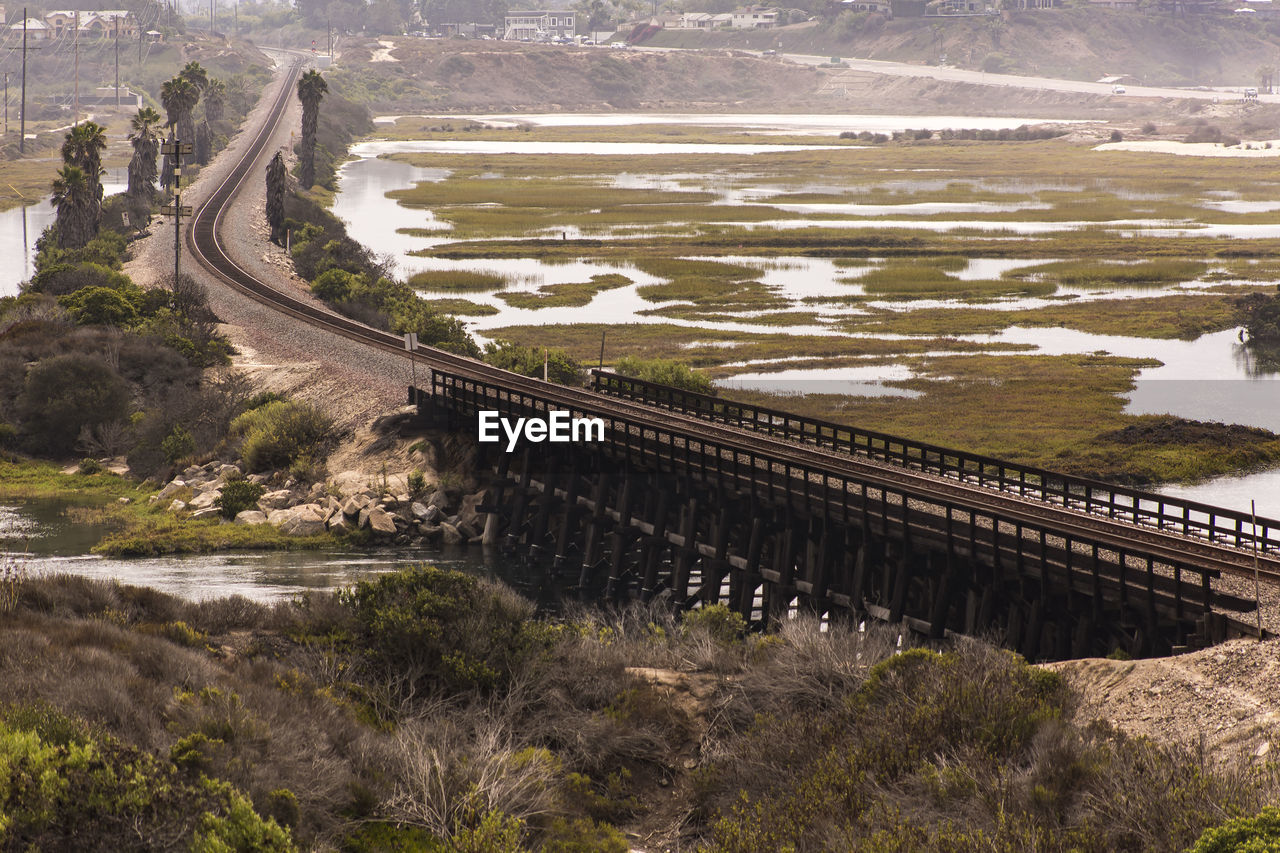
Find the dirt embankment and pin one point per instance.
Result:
(1076, 43)
(1225, 698)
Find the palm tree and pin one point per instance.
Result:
(179, 97)
(277, 178)
(83, 147)
(215, 97)
(1266, 75)
(146, 145)
(311, 88)
(195, 74)
(204, 143)
(76, 206)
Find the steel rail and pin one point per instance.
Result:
(206, 245)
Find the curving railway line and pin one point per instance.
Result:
(204, 242)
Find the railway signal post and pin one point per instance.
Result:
(176, 208)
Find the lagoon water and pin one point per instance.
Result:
(20, 227)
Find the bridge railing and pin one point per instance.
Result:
(1189, 518)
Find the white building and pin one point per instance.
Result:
(540, 26)
(36, 29)
(705, 20)
(755, 17)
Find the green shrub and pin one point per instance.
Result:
(282, 807)
(583, 835)
(454, 630)
(100, 306)
(665, 372)
(178, 444)
(1257, 834)
(240, 830)
(718, 622)
(65, 787)
(335, 285)
(8, 435)
(89, 466)
(529, 361)
(257, 401)
(279, 433)
(237, 496)
(65, 394)
(416, 481)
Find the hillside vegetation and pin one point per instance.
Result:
(448, 74)
(429, 711)
(1076, 43)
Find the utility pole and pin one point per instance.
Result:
(211, 2)
(22, 118)
(117, 63)
(176, 209)
(76, 43)
(6, 102)
(329, 27)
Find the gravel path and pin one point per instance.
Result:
(351, 381)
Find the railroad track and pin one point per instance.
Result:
(202, 239)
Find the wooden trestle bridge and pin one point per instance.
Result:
(704, 500)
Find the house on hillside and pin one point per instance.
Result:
(36, 30)
(96, 24)
(109, 22)
(755, 17)
(884, 7)
(540, 26)
(1115, 4)
(705, 20)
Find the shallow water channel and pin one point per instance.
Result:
(50, 536)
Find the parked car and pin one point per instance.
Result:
(618, 45)
(1117, 90)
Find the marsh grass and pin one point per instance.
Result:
(458, 280)
(461, 307)
(699, 347)
(927, 281)
(702, 290)
(1181, 316)
(682, 267)
(1086, 273)
(1037, 423)
(568, 295)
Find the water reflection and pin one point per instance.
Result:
(1257, 359)
(54, 536)
(21, 226)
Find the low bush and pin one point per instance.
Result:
(665, 372)
(66, 394)
(530, 361)
(61, 779)
(1257, 834)
(237, 496)
(438, 628)
(278, 434)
